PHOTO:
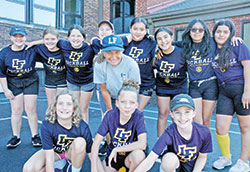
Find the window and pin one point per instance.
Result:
(122, 13)
(71, 13)
(57, 13)
(178, 34)
(245, 34)
(13, 9)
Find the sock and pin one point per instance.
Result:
(224, 144)
(60, 163)
(75, 169)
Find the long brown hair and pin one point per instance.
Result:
(51, 115)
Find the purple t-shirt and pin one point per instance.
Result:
(186, 150)
(234, 73)
(54, 136)
(122, 134)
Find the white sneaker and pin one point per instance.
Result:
(240, 166)
(222, 162)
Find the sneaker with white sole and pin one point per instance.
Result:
(13, 142)
(222, 162)
(240, 166)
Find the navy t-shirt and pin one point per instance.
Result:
(171, 72)
(143, 53)
(186, 150)
(121, 134)
(96, 45)
(53, 62)
(234, 73)
(54, 136)
(17, 64)
(79, 62)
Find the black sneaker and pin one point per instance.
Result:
(103, 149)
(13, 142)
(36, 141)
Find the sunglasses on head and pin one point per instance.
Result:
(196, 29)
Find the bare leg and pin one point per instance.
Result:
(84, 102)
(163, 112)
(207, 110)
(134, 159)
(16, 114)
(30, 102)
(244, 122)
(198, 110)
(143, 101)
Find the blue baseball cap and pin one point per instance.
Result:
(180, 101)
(17, 29)
(112, 43)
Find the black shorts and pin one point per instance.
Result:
(163, 92)
(207, 90)
(120, 161)
(229, 100)
(55, 81)
(26, 86)
(146, 91)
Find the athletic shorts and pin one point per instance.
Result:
(170, 93)
(207, 90)
(86, 87)
(120, 161)
(229, 100)
(26, 86)
(146, 91)
(55, 81)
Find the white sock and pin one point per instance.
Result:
(60, 163)
(75, 169)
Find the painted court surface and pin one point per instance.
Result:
(12, 160)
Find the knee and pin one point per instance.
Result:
(244, 128)
(163, 114)
(17, 111)
(79, 145)
(30, 110)
(28, 168)
(170, 162)
(137, 156)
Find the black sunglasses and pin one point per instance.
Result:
(195, 30)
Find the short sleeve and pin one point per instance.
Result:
(2, 66)
(47, 139)
(164, 141)
(140, 126)
(103, 128)
(242, 52)
(88, 138)
(96, 45)
(125, 41)
(207, 145)
(134, 72)
(99, 73)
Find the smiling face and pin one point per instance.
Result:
(113, 57)
(221, 35)
(76, 38)
(18, 40)
(64, 107)
(183, 117)
(197, 32)
(127, 103)
(138, 31)
(164, 41)
(104, 30)
(50, 41)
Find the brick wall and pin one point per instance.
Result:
(210, 24)
(33, 33)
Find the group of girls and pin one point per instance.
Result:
(214, 67)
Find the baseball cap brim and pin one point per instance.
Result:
(112, 49)
(18, 32)
(181, 105)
